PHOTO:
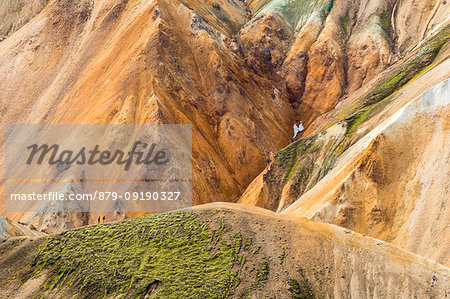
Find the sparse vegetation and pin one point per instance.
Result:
(9, 245)
(414, 66)
(380, 96)
(288, 158)
(300, 289)
(385, 19)
(345, 21)
(262, 274)
(237, 243)
(171, 255)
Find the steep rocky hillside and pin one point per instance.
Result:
(393, 184)
(377, 164)
(149, 62)
(297, 168)
(241, 72)
(216, 251)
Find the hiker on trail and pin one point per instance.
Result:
(104, 219)
(98, 220)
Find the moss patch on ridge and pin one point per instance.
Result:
(287, 158)
(302, 289)
(414, 66)
(173, 255)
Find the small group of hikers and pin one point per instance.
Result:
(98, 219)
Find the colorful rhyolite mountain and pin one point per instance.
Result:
(359, 202)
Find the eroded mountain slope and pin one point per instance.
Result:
(393, 185)
(147, 62)
(323, 50)
(298, 167)
(381, 171)
(241, 72)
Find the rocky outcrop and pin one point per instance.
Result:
(295, 66)
(265, 42)
(9, 229)
(326, 80)
(413, 20)
(369, 47)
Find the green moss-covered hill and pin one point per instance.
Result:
(218, 251)
(174, 255)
